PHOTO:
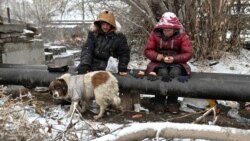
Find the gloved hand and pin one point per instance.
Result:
(84, 69)
(183, 79)
(123, 73)
(166, 78)
(138, 74)
(152, 77)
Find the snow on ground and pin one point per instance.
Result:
(227, 64)
(53, 125)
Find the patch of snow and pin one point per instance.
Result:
(62, 55)
(57, 47)
(229, 63)
(25, 31)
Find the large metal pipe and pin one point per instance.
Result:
(26, 66)
(200, 85)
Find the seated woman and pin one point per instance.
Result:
(168, 48)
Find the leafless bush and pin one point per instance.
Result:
(210, 26)
(207, 22)
(214, 26)
(27, 118)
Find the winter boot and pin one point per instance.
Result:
(173, 105)
(159, 107)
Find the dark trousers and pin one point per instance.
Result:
(172, 70)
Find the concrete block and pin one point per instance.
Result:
(76, 53)
(6, 28)
(24, 53)
(56, 50)
(48, 57)
(62, 60)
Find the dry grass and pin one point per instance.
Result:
(28, 119)
(14, 125)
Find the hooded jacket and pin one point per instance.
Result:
(178, 45)
(100, 46)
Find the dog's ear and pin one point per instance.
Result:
(64, 89)
(50, 88)
(63, 85)
(50, 92)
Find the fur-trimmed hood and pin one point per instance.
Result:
(93, 27)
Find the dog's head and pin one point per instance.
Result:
(58, 88)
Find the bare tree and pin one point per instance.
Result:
(38, 11)
(207, 22)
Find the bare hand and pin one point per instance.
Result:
(169, 59)
(123, 73)
(160, 57)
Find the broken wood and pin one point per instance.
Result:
(128, 99)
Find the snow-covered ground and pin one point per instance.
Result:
(53, 126)
(229, 63)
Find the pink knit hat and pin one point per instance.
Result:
(169, 20)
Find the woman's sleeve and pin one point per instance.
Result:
(150, 49)
(186, 51)
(123, 52)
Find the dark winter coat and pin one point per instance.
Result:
(100, 46)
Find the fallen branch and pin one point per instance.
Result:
(206, 114)
(141, 131)
(184, 116)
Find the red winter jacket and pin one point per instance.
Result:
(178, 46)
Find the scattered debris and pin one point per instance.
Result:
(138, 108)
(214, 63)
(234, 113)
(137, 116)
(192, 105)
(215, 117)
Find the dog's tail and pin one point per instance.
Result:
(116, 100)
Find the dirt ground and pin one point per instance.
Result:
(115, 116)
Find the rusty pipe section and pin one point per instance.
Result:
(200, 85)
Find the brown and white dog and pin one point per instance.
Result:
(101, 85)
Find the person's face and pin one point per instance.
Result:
(168, 32)
(105, 27)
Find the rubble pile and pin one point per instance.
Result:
(20, 44)
(59, 55)
(17, 33)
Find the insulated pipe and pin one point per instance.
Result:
(26, 66)
(200, 85)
